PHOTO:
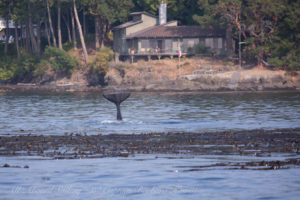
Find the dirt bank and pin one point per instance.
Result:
(193, 74)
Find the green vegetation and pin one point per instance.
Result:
(101, 63)
(60, 60)
(200, 49)
(270, 29)
(269, 32)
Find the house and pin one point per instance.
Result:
(11, 31)
(147, 35)
(3, 27)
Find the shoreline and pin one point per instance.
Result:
(32, 88)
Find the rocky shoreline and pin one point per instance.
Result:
(192, 75)
(165, 87)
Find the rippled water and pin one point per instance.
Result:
(143, 113)
(144, 177)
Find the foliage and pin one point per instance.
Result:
(284, 50)
(270, 30)
(200, 49)
(103, 56)
(207, 16)
(16, 70)
(6, 73)
(67, 46)
(40, 68)
(60, 60)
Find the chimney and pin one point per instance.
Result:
(162, 13)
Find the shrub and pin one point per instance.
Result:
(18, 69)
(40, 68)
(103, 56)
(6, 74)
(60, 60)
(200, 49)
(67, 46)
(101, 63)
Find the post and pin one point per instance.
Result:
(240, 50)
(179, 56)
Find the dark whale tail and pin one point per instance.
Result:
(117, 98)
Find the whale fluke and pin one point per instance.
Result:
(117, 99)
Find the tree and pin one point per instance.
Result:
(208, 16)
(5, 7)
(284, 49)
(261, 18)
(85, 54)
(50, 23)
(73, 28)
(107, 12)
(58, 24)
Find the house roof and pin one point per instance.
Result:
(143, 12)
(128, 24)
(163, 31)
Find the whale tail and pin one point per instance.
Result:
(117, 99)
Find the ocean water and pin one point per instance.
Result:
(152, 176)
(145, 177)
(59, 114)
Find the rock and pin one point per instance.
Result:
(6, 165)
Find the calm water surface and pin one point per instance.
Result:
(144, 177)
(143, 113)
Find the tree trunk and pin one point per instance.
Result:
(47, 32)
(229, 48)
(80, 33)
(17, 40)
(260, 59)
(27, 37)
(39, 36)
(107, 30)
(58, 25)
(21, 34)
(84, 21)
(32, 37)
(6, 36)
(102, 28)
(50, 23)
(73, 30)
(97, 32)
(67, 22)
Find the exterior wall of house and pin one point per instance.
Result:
(123, 46)
(218, 45)
(170, 45)
(147, 22)
(120, 41)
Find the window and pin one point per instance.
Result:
(220, 43)
(145, 44)
(209, 42)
